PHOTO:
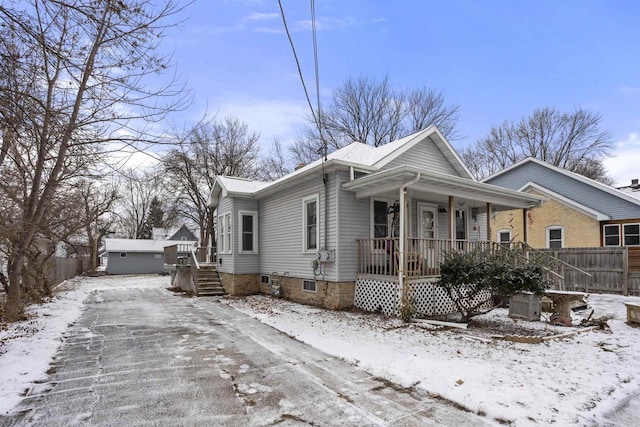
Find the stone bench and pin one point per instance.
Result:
(633, 312)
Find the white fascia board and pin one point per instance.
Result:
(407, 172)
(566, 201)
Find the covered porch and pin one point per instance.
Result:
(416, 218)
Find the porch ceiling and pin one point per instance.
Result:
(438, 187)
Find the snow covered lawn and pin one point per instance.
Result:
(572, 380)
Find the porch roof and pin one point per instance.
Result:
(439, 185)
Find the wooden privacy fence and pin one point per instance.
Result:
(614, 270)
(66, 268)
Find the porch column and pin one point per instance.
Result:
(525, 229)
(452, 220)
(489, 232)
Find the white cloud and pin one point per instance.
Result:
(279, 118)
(326, 23)
(624, 165)
(256, 16)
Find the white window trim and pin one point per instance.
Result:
(225, 234)
(315, 282)
(604, 237)
(555, 227)
(254, 215)
(503, 230)
(466, 222)
(623, 236)
(372, 227)
(305, 200)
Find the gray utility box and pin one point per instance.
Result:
(525, 307)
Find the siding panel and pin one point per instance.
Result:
(424, 155)
(569, 187)
(280, 224)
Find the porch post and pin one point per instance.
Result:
(452, 220)
(403, 225)
(489, 232)
(525, 229)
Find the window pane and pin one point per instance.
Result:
(612, 241)
(311, 237)
(555, 234)
(461, 225)
(505, 236)
(247, 242)
(247, 223)
(555, 244)
(611, 230)
(631, 240)
(632, 229)
(311, 213)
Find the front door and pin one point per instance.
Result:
(427, 229)
(427, 222)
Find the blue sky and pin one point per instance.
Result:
(498, 60)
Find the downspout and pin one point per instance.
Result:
(403, 234)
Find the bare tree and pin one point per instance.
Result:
(570, 140)
(211, 148)
(274, 165)
(374, 112)
(85, 78)
(138, 189)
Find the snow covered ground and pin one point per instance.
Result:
(575, 380)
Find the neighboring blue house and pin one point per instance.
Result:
(136, 256)
(358, 227)
(181, 233)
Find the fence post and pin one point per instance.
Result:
(625, 271)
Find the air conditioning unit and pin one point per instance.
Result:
(525, 307)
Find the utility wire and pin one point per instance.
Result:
(295, 55)
(315, 60)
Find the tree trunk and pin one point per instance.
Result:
(13, 310)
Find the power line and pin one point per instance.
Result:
(295, 55)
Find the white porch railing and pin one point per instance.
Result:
(424, 256)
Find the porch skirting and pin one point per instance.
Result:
(383, 295)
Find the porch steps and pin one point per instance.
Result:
(208, 281)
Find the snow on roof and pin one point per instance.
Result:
(356, 153)
(241, 185)
(140, 245)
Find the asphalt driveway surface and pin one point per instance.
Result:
(145, 356)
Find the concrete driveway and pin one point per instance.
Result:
(148, 357)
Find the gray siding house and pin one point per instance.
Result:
(136, 256)
(356, 227)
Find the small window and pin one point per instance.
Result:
(183, 238)
(380, 219)
(611, 235)
(265, 280)
(631, 234)
(123, 254)
(157, 256)
(309, 285)
(248, 232)
(310, 223)
(504, 236)
(555, 237)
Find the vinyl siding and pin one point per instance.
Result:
(226, 261)
(244, 263)
(135, 263)
(281, 227)
(569, 187)
(354, 224)
(424, 155)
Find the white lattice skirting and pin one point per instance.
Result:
(373, 294)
